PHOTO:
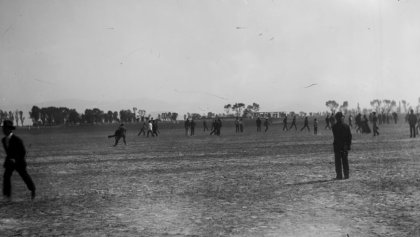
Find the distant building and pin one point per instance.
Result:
(269, 114)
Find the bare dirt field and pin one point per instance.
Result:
(249, 184)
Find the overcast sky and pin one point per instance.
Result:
(200, 55)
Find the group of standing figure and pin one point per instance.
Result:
(305, 124)
(266, 123)
(151, 127)
(148, 128)
(216, 126)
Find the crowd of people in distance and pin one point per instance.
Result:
(360, 123)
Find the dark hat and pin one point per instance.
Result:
(338, 115)
(8, 124)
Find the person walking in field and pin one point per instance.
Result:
(374, 124)
(315, 126)
(412, 120)
(359, 127)
(187, 126)
(258, 124)
(205, 128)
(418, 125)
(143, 129)
(218, 126)
(15, 160)
(350, 121)
(293, 123)
(237, 125)
(213, 127)
(342, 144)
(192, 125)
(305, 124)
(266, 122)
(150, 128)
(119, 133)
(241, 125)
(327, 122)
(155, 127)
(285, 123)
(365, 125)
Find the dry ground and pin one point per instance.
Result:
(251, 184)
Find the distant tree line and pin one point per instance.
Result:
(50, 116)
(385, 108)
(241, 110)
(16, 116)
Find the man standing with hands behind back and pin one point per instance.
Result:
(15, 160)
(342, 144)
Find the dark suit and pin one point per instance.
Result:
(15, 160)
(342, 144)
(412, 120)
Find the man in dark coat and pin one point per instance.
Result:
(187, 126)
(266, 123)
(155, 128)
(205, 128)
(342, 144)
(213, 127)
(305, 124)
(374, 124)
(258, 124)
(293, 123)
(359, 127)
(237, 129)
(119, 133)
(192, 126)
(412, 120)
(285, 123)
(143, 129)
(327, 122)
(15, 160)
(218, 126)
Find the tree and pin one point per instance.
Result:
(142, 113)
(88, 116)
(134, 112)
(332, 105)
(255, 107)
(195, 116)
(43, 116)
(35, 114)
(376, 104)
(126, 116)
(73, 117)
(115, 116)
(11, 116)
(227, 108)
(248, 111)
(386, 106)
(404, 105)
(108, 117)
(238, 108)
(174, 116)
(98, 115)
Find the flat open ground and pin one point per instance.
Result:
(250, 184)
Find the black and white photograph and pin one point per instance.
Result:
(241, 118)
